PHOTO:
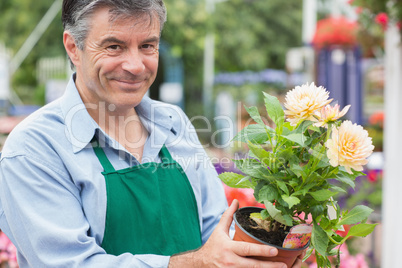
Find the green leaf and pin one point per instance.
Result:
(316, 211)
(287, 153)
(337, 238)
(276, 214)
(266, 193)
(250, 180)
(357, 214)
(264, 214)
(319, 239)
(308, 253)
(274, 110)
(323, 261)
(297, 135)
(235, 180)
(332, 172)
(360, 230)
(293, 183)
(322, 195)
(255, 133)
(324, 223)
(288, 219)
(287, 128)
(291, 200)
(313, 177)
(297, 138)
(252, 168)
(253, 112)
(355, 174)
(323, 163)
(296, 169)
(306, 188)
(263, 155)
(347, 180)
(282, 186)
(333, 251)
(315, 129)
(318, 151)
(338, 189)
(256, 215)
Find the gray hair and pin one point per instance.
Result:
(76, 14)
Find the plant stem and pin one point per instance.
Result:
(333, 241)
(269, 137)
(338, 257)
(322, 150)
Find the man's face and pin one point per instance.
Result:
(119, 61)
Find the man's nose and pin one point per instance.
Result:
(134, 62)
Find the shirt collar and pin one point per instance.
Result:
(81, 128)
(155, 112)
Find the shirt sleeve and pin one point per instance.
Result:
(213, 199)
(41, 212)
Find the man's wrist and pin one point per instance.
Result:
(185, 259)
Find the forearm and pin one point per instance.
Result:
(186, 259)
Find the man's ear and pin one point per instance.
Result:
(71, 48)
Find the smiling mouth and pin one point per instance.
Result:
(130, 82)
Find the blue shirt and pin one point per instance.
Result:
(53, 195)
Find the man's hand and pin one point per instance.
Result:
(299, 260)
(221, 251)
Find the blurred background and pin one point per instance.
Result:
(217, 56)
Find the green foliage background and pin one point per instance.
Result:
(249, 34)
(18, 18)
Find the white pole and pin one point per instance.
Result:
(309, 25)
(35, 36)
(309, 20)
(4, 73)
(209, 66)
(209, 63)
(392, 182)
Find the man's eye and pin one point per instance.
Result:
(113, 47)
(149, 48)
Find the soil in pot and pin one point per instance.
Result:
(274, 238)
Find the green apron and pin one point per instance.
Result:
(151, 208)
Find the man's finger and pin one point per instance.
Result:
(297, 263)
(250, 249)
(227, 216)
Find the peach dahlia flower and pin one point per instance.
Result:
(329, 114)
(303, 101)
(349, 147)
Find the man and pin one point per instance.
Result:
(105, 177)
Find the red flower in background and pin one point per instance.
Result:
(374, 175)
(377, 119)
(382, 19)
(244, 196)
(358, 10)
(335, 31)
(8, 252)
(344, 232)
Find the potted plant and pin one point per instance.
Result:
(297, 168)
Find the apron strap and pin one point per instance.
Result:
(165, 156)
(107, 166)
